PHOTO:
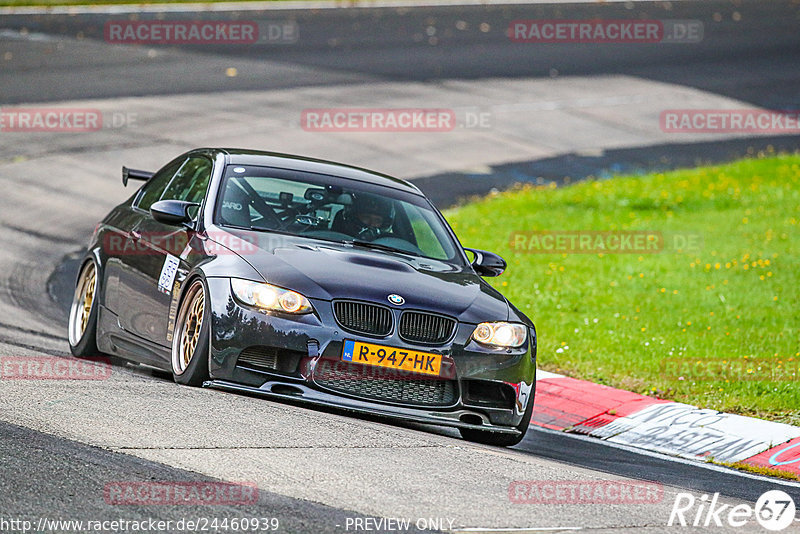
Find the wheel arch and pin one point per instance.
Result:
(93, 254)
(191, 374)
(186, 283)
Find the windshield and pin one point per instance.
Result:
(333, 209)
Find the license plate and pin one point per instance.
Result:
(391, 357)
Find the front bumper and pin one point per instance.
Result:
(307, 395)
(488, 389)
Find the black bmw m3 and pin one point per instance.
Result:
(301, 279)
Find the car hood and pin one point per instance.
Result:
(328, 270)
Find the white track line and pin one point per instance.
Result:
(520, 530)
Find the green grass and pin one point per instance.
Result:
(654, 323)
(758, 470)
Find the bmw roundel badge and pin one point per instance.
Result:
(396, 299)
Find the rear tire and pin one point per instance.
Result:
(190, 341)
(82, 325)
(488, 437)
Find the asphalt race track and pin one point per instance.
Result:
(557, 112)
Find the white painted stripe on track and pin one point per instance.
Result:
(517, 530)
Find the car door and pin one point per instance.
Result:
(160, 247)
(121, 247)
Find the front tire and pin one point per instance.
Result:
(487, 437)
(190, 341)
(82, 323)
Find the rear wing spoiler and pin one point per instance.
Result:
(133, 174)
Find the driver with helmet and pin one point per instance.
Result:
(368, 217)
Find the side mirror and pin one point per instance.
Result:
(172, 212)
(487, 263)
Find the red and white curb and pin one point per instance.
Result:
(617, 416)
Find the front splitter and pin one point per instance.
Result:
(304, 394)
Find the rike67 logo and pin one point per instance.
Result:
(774, 510)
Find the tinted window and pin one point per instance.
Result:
(151, 191)
(191, 182)
(333, 209)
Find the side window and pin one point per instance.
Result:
(191, 182)
(151, 191)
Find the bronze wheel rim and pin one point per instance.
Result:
(82, 303)
(189, 326)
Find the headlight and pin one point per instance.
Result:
(501, 334)
(268, 297)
